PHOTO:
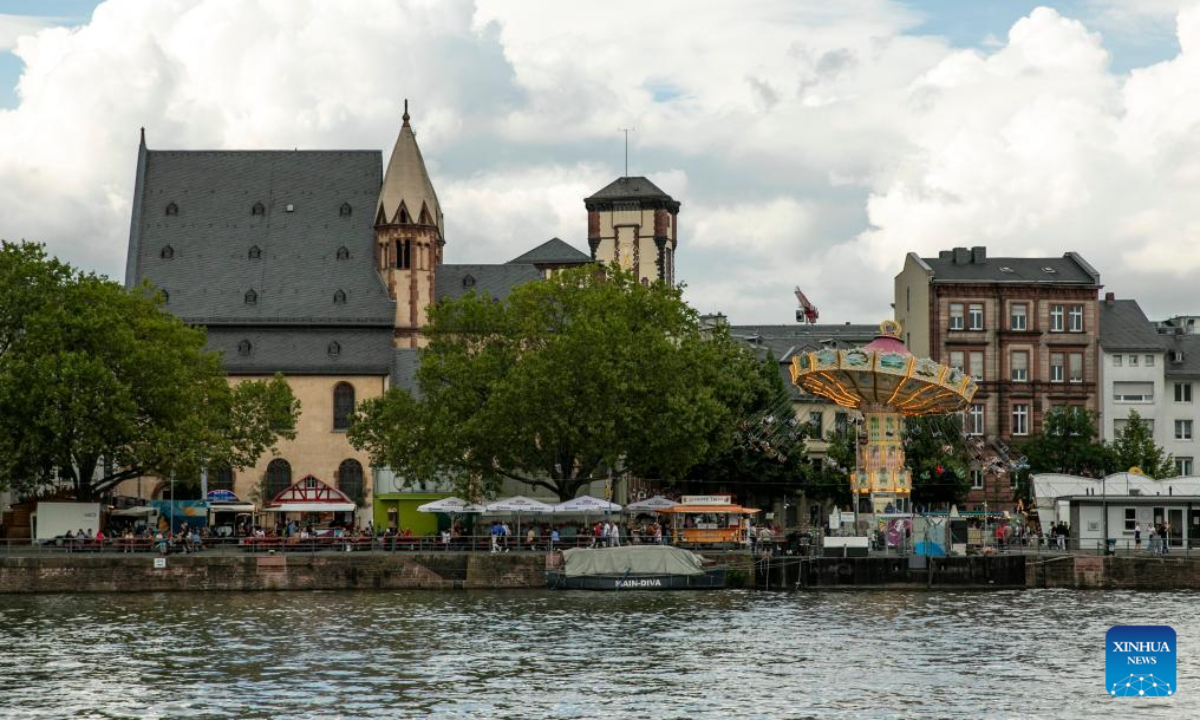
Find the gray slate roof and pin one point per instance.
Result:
(1189, 346)
(304, 351)
(1123, 326)
(497, 281)
(786, 340)
(211, 237)
(631, 188)
(405, 362)
(1069, 269)
(553, 252)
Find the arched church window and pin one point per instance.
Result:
(335, 349)
(343, 405)
(172, 209)
(255, 253)
(468, 282)
(244, 348)
(343, 253)
(167, 252)
(258, 209)
(279, 477)
(345, 210)
(339, 297)
(350, 479)
(251, 297)
(166, 297)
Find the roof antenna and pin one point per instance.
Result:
(626, 131)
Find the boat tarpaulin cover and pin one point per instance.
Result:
(632, 560)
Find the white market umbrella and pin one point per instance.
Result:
(519, 504)
(586, 504)
(450, 505)
(657, 503)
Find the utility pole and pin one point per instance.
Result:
(626, 131)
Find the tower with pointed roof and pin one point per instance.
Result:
(634, 225)
(409, 235)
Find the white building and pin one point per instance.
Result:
(1112, 507)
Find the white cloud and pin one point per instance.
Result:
(811, 143)
(13, 27)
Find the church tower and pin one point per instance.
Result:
(634, 225)
(409, 235)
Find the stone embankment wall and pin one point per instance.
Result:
(189, 573)
(892, 573)
(1095, 572)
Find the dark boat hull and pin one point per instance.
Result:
(710, 580)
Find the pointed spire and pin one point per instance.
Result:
(143, 141)
(406, 182)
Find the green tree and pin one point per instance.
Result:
(1067, 444)
(937, 456)
(831, 482)
(99, 385)
(559, 383)
(1134, 447)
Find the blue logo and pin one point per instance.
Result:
(1140, 661)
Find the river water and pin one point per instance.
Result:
(535, 654)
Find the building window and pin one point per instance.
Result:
(167, 253)
(345, 210)
(1130, 519)
(1133, 361)
(279, 477)
(1183, 392)
(975, 419)
(172, 209)
(1183, 429)
(244, 348)
(1183, 466)
(841, 423)
(1117, 360)
(976, 479)
(403, 254)
(976, 362)
(1075, 367)
(350, 479)
(1133, 392)
(251, 297)
(1020, 366)
(975, 316)
(1057, 368)
(1149, 361)
(343, 253)
(343, 405)
(1020, 419)
(957, 319)
(1018, 317)
(1057, 315)
(957, 360)
(335, 349)
(816, 420)
(220, 478)
(258, 209)
(255, 253)
(166, 297)
(1076, 318)
(339, 297)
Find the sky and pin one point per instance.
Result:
(811, 143)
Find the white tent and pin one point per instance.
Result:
(519, 504)
(450, 505)
(586, 504)
(654, 504)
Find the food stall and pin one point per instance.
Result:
(707, 519)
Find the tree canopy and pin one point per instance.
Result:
(1135, 448)
(560, 383)
(99, 384)
(1067, 444)
(937, 455)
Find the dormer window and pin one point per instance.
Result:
(1049, 271)
(468, 282)
(258, 209)
(339, 297)
(167, 252)
(166, 297)
(335, 349)
(343, 253)
(172, 209)
(345, 210)
(251, 297)
(244, 348)
(255, 253)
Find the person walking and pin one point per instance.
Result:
(615, 534)
(1166, 538)
(1137, 536)
(495, 536)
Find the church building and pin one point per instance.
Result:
(321, 265)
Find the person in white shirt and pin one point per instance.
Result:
(615, 535)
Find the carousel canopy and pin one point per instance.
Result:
(450, 505)
(586, 504)
(883, 372)
(519, 504)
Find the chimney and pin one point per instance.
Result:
(945, 254)
(979, 255)
(1110, 298)
(962, 256)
